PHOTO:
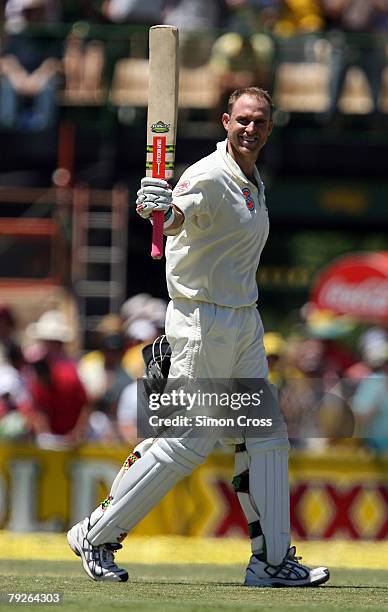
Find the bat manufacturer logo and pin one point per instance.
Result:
(160, 127)
(248, 199)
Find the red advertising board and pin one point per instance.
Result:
(357, 285)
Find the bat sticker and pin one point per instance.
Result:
(159, 157)
(169, 148)
(167, 165)
(160, 127)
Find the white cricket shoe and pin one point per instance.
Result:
(98, 561)
(290, 573)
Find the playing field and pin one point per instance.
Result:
(190, 574)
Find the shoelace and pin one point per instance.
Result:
(291, 555)
(107, 553)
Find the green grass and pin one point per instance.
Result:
(198, 588)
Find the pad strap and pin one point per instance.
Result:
(240, 483)
(240, 448)
(255, 530)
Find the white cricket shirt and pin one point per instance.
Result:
(215, 256)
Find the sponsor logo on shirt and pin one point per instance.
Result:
(248, 199)
(182, 187)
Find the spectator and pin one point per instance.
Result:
(104, 376)
(314, 407)
(299, 395)
(143, 321)
(144, 306)
(83, 65)
(135, 12)
(250, 22)
(60, 404)
(275, 348)
(15, 402)
(344, 20)
(143, 318)
(370, 403)
(132, 307)
(242, 61)
(29, 69)
(7, 323)
(243, 16)
(269, 14)
(17, 16)
(127, 413)
(299, 17)
(297, 30)
(331, 330)
(11, 353)
(139, 333)
(196, 20)
(85, 10)
(372, 339)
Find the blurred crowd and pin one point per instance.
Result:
(52, 394)
(331, 392)
(332, 380)
(240, 39)
(281, 16)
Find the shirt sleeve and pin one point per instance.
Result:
(191, 197)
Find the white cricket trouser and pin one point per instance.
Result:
(210, 341)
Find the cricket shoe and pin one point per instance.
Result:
(290, 573)
(98, 561)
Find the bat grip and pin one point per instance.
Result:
(157, 235)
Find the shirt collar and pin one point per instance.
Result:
(233, 166)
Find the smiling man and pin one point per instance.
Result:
(217, 225)
(248, 123)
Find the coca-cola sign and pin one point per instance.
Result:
(356, 285)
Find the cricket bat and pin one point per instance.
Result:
(162, 115)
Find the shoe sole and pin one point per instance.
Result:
(284, 584)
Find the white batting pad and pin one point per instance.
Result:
(269, 492)
(141, 448)
(146, 483)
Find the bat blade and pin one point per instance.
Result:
(162, 115)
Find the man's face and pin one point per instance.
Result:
(248, 127)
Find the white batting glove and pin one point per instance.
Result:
(153, 195)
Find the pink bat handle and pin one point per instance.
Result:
(157, 235)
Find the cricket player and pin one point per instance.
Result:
(217, 224)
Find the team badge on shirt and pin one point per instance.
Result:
(182, 187)
(248, 199)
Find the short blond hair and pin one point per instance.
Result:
(256, 92)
